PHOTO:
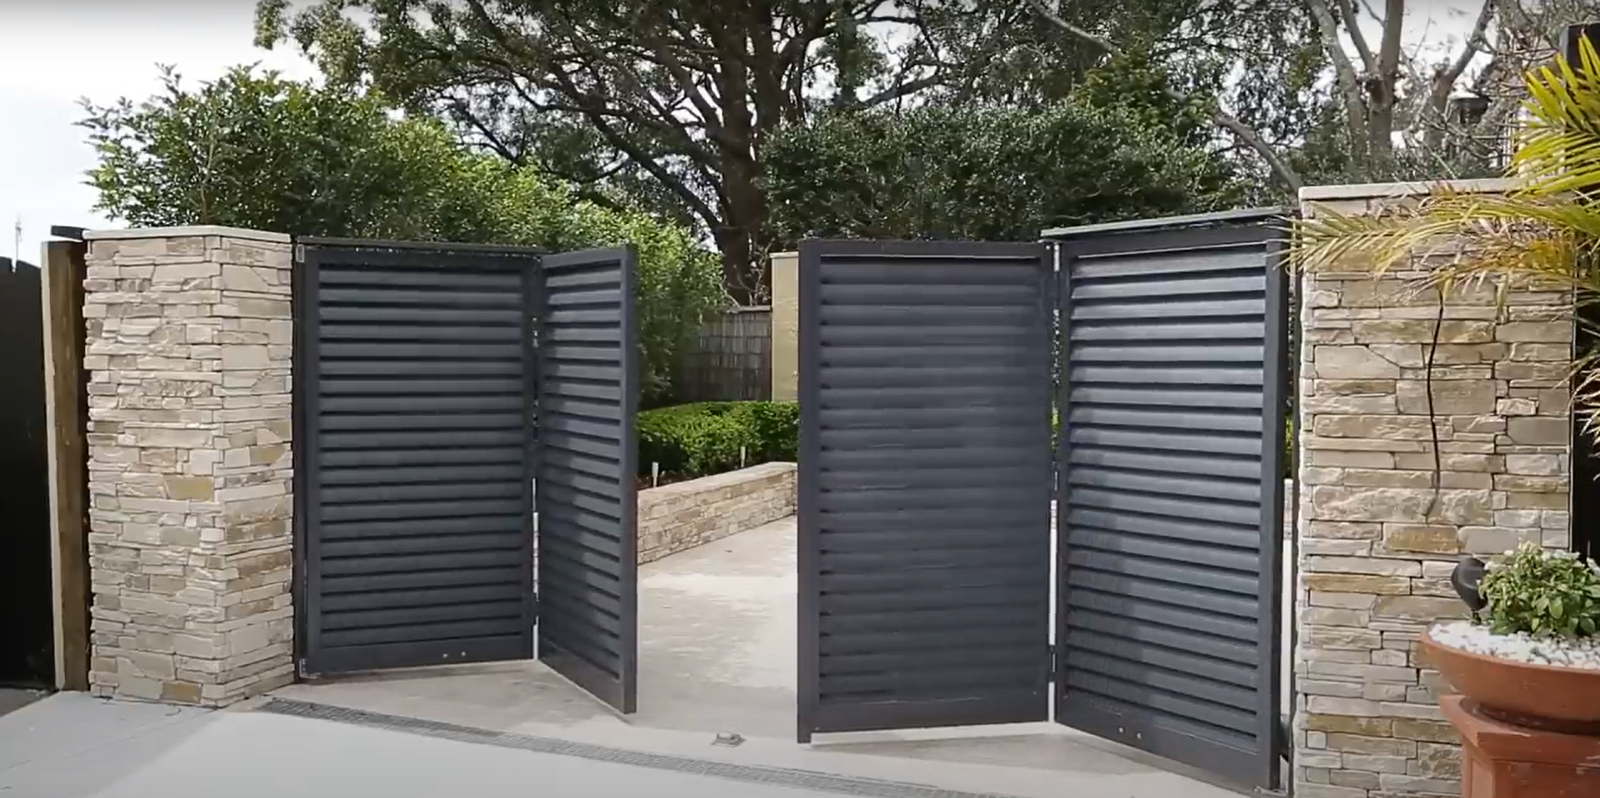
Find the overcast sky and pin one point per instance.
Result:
(53, 52)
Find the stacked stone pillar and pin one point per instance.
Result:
(1381, 526)
(188, 351)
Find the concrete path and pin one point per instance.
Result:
(717, 654)
(74, 746)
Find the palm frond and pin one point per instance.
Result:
(1559, 148)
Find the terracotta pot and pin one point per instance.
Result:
(1523, 694)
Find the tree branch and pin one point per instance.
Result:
(1280, 167)
(1344, 72)
(899, 90)
(1473, 45)
(1347, 12)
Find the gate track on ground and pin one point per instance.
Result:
(778, 777)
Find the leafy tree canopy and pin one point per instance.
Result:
(258, 151)
(985, 173)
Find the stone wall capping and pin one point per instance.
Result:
(187, 232)
(1355, 191)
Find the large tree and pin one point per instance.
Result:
(1395, 94)
(675, 100)
(257, 151)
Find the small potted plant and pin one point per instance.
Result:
(1530, 657)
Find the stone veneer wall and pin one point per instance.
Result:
(188, 355)
(1373, 558)
(683, 515)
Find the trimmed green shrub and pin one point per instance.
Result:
(703, 438)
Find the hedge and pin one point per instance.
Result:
(703, 438)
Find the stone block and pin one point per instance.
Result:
(1352, 363)
(1421, 538)
(1449, 397)
(1555, 331)
(1361, 565)
(1539, 431)
(1418, 608)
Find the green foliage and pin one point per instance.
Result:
(983, 173)
(257, 151)
(1543, 593)
(705, 437)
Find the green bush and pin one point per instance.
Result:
(1542, 593)
(704, 438)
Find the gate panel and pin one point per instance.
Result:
(924, 485)
(586, 495)
(413, 454)
(1171, 492)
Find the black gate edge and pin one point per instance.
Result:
(809, 471)
(1274, 725)
(1274, 415)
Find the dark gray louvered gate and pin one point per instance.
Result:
(925, 484)
(588, 393)
(1170, 510)
(413, 454)
(437, 388)
(924, 548)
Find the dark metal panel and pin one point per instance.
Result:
(412, 459)
(923, 485)
(585, 491)
(1169, 517)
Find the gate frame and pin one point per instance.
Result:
(1218, 228)
(302, 312)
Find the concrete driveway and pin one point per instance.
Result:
(74, 746)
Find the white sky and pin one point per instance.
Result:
(53, 53)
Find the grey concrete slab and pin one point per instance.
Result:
(717, 654)
(148, 750)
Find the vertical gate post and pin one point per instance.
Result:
(64, 270)
(188, 340)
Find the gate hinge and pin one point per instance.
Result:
(1050, 658)
(300, 253)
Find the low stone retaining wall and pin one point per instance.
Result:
(683, 515)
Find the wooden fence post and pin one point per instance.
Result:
(66, 416)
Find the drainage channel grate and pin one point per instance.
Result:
(778, 777)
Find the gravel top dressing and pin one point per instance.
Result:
(1520, 647)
